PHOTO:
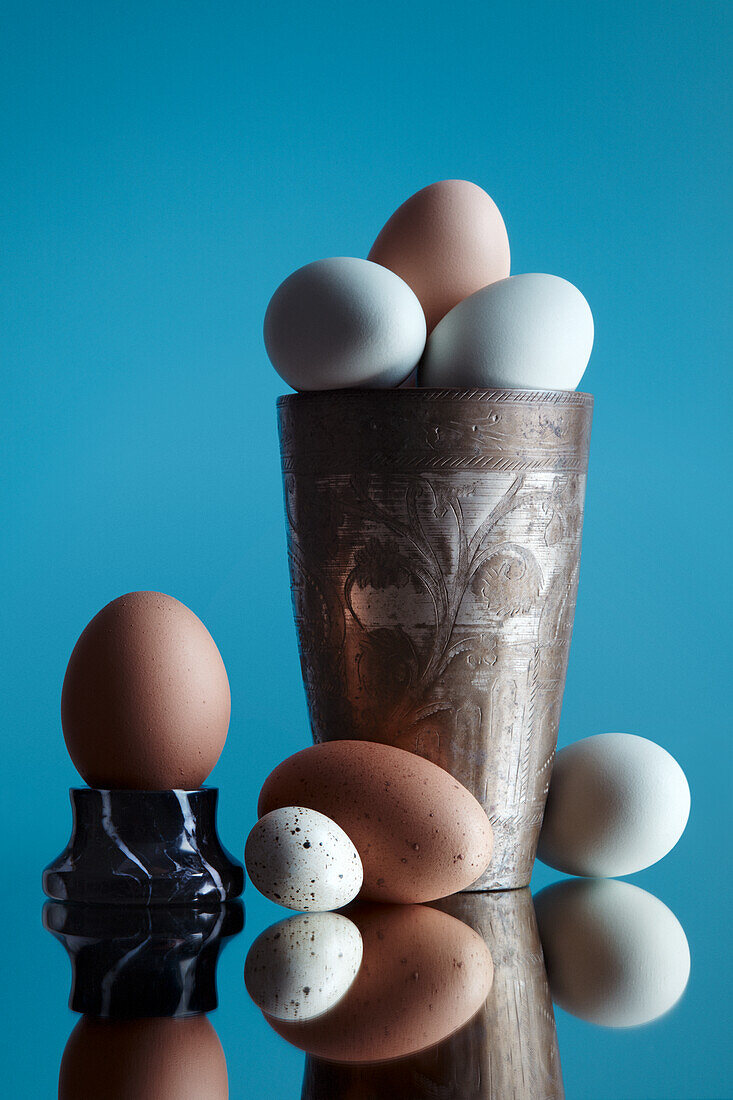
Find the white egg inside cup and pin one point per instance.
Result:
(530, 331)
(344, 322)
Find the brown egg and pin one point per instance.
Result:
(423, 976)
(447, 241)
(156, 1059)
(145, 703)
(420, 834)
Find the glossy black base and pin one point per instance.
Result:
(129, 962)
(144, 848)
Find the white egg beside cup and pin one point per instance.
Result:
(617, 804)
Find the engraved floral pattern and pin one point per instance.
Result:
(434, 544)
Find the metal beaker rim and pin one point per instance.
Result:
(505, 396)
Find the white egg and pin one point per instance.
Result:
(344, 322)
(299, 968)
(303, 860)
(617, 803)
(615, 955)
(523, 332)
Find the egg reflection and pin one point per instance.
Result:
(299, 968)
(149, 1059)
(615, 954)
(507, 1050)
(423, 975)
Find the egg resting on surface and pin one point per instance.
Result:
(301, 967)
(615, 954)
(344, 322)
(529, 331)
(617, 803)
(423, 975)
(145, 703)
(446, 241)
(146, 1059)
(301, 859)
(420, 834)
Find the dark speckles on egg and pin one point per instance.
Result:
(288, 863)
(408, 994)
(385, 799)
(301, 967)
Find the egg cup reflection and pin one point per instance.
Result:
(131, 961)
(144, 848)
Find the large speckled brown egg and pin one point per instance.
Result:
(423, 975)
(420, 834)
(145, 703)
(153, 1059)
(446, 241)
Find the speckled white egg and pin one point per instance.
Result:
(303, 860)
(615, 954)
(524, 332)
(344, 322)
(617, 803)
(299, 968)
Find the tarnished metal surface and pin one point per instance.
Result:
(434, 544)
(508, 1051)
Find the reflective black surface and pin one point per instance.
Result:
(520, 1041)
(132, 961)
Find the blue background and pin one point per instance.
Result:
(165, 165)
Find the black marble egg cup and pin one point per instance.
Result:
(144, 848)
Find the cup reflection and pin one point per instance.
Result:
(507, 1051)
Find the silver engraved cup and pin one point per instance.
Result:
(434, 544)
